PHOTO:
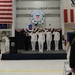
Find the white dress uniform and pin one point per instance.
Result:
(6, 43)
(33, 40)
(56, 39)
(41, 40)
(48, 40)
(68, 48)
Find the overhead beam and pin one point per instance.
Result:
(46, 15)
(38, 0)
(41, 8)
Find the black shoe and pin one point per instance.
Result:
(69, 73)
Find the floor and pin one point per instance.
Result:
(32, 67)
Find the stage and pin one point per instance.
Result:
(34, 55)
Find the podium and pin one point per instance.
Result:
(13, 45)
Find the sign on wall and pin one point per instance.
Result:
(69, 16)
(37, 17)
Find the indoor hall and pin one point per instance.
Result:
(25, 44)
(26, 23)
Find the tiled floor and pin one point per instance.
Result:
(32, 67)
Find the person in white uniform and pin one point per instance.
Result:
(48, 39)
(6, 42)
(56, 39)
(33, 40)
(41, 40)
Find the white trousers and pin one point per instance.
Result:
(48, 45)
(68, 54)
(40, 46)
(56, 44)
(2, 47)
(6, 47)
(33, 43)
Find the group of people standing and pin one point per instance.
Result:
(39, 35)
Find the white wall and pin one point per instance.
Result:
(23, 21)
(68, 7)
(38, 4)
(14, 18)
(55, 21)
(62, 16)
(66, 4)
(70, 26)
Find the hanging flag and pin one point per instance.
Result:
(5, 11)
(65, 15)
(69, 16)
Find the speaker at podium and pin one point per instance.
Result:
(13, 45)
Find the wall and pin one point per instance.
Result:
(14, 17)
(51, 9)
(67, 26)
(68, 6)
(54, 10)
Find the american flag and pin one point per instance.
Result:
(5, 11)
(69, 16)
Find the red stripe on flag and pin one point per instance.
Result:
(6, 5)
(6, 9)
(6, 18)
(5, 1)
(5, 22)
(65, 15)
(6, 14)
(72, 15)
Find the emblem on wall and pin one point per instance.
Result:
(37, 17)
(73, 3)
